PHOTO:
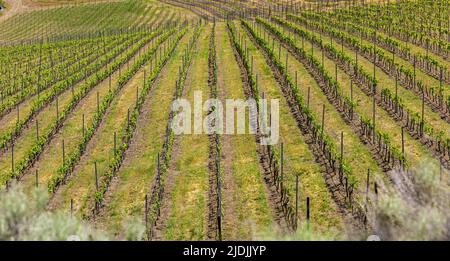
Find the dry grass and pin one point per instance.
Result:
(138, 169)
(250, 202)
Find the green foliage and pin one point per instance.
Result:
(24, 217)
(389, 18)
(417, 211)
(78, 55)
(75, 156)
(83, 19)
(61, 86)
(330, 145)
(38, 147)
(166, 152)
(128, 130)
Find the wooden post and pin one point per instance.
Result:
(375, 188)
(96, 176)
(158, 171)
(374, 59)
(396, 88)
(137, 96)
(351, 93)
(82, 125)
(346, 186)
(12, 156)
(440, 84)
(219, 201)
(37, 178)
(342, 153)
(115, 144)
(71, 207)
(146, 212)
(307, 211)
(281, 168)
(374, 112)
(63, 153)
(422, 124)
(309, 96)
(296, 202)
(37, 129)
(367, 187)
(39, 71)
(414, 79)
(287, 67)
(403, 144)
(98, 103)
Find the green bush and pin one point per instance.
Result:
(23, 217)
(415, 207)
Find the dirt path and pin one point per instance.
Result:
(57, 198)
(171, 176)
(352, 217)
(174, 171)
(230, 229)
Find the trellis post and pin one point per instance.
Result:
(296, 202)
(37, 178)
(82, 125)
(96, 175)
(308, 213)
(37, 129)
(71, 207)
(63, 153)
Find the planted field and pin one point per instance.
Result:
(228, 120)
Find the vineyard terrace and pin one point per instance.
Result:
(257, 111)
